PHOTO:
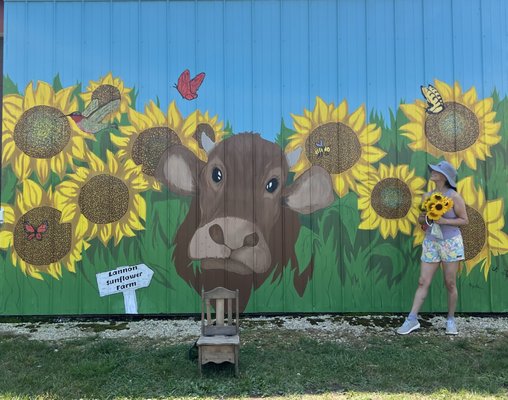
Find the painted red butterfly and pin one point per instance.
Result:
(188, 87)
(33, 232)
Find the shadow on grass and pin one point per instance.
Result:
(271, 363)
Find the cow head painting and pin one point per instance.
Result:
(243, 220)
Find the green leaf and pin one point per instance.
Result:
(390, 271)
(349, 215)
(9, 86)
(283, 135)
(303, 248)
(57, 84)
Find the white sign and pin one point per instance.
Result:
(125, 280)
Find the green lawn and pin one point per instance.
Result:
(278, 363)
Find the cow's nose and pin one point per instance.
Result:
(216, 234)
(251, 240)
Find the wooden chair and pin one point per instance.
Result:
(219, 340)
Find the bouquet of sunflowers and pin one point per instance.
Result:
(435, 207)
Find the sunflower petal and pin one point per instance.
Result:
(357, 119)
(484, 107)
(22, 166)
(413, 112)
(444, 90)
(470, 97)
(175, 119)
(29, 99)
(42, 169)
(6, 238)
(8, 150)
(301, 124)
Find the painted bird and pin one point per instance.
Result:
(90, 120)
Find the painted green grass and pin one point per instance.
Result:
(272, 363)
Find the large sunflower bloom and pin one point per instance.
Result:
(210, 127)
(464, 131)
(108, 89)
(43, 250)
(339, 142)
(483, 236)
(103, 200)
(37, 135)
(390, 199)
(149, 135)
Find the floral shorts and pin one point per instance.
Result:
(447, 250)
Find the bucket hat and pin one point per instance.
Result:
(447, 170)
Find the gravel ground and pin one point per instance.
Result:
(322, 327)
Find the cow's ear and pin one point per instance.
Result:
(179, 169)
(312, 191)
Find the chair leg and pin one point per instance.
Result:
(236, 361)
(199, 361)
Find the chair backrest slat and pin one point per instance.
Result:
(230, 312)
(214, 302)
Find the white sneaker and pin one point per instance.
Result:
(408, 327)
(451, 329)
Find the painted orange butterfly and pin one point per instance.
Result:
(188, 87)
(33, 232)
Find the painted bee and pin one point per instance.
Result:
(321, 149)
(434, 99)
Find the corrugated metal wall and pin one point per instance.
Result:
(286, 69)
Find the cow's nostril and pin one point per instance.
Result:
(251, 240)
(216, 234)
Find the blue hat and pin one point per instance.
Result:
(445, 168)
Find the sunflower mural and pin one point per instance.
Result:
(37, 134)
(103, 200)
(341, 143)
(108, 90)
(205, 125)
(389, 200)
(464, 129)
(39, 243)
(149, 134)
(483, 236)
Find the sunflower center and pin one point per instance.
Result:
(333, 146)
(207, 130)
(474, 234)
(42, 132)
(454, 129)
(104, 199)
(391, 198)
(40, 239)
(106, 94)
(149, 146)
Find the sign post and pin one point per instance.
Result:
(125, 280)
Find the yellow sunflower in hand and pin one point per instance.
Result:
(340, 142)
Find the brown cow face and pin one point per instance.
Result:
(241, 192)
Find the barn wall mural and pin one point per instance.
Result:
(278, 147)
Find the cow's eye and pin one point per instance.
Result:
(272, 185)
(216, 175)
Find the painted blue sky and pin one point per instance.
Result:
(263, 59)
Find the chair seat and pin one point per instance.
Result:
(218, 340)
